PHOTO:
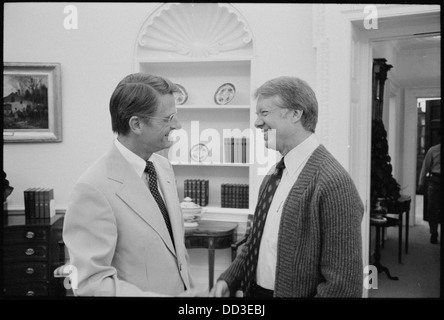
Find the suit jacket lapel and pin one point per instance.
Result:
(169, 192)
(136, 195)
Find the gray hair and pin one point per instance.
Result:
(292, 93)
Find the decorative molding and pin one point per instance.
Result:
(195, 29)
(355, 12)
(322, 47)
(393, 87)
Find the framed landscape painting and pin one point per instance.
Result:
(32, 110)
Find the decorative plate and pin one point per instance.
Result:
(181, 96)
(199, 152)
(225, 93)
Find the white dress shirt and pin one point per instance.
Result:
(295, 161)
(137, 163)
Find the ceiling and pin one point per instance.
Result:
(419, 42)
(416, 59)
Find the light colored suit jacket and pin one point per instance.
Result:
(116, 235)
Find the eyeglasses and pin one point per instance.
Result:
(165, 119)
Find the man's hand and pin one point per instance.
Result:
(220, 290)
(195, 292)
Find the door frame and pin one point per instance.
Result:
(395, 22)
(411, 134)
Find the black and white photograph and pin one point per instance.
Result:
(222, 159)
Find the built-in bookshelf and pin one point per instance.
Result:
(201, 55)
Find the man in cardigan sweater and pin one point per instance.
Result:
(310, 245)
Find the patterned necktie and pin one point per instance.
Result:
(260, 216)
(152, 183)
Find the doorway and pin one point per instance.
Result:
(397, 27)
(429, 124)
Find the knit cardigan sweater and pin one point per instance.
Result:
(319, 250)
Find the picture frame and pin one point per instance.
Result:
(32, 102)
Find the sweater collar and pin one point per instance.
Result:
(297, 156)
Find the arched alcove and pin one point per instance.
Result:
(194, 30)
(202, 47)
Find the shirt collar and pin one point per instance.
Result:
(133, 159)
(296, 156)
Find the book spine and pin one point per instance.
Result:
(235, 150)
(227, 195)
(231, 196)
(247, 147)
(236, 196)
(239, 150)
(40, 203)
(189, 183)
(26, 199)
(190, 190)
(244, 150)
(242, 196)
(239, 196)
(36, 204)
(52, 210)
(232, 150)
(227, 150)
(185, 188)
(199, 192)
(45, 201)
(222, 195)
(246, 196)
(32, 203)
(207, 191)
(193, 190)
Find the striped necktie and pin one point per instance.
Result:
(260, 216)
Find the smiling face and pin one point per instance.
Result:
(275, 123)
(155, 132)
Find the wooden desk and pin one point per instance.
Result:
(211, 235)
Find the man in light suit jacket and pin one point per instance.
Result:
(117, 237)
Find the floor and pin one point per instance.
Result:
(419, 273)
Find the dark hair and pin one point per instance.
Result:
(137, 95)
(293, 93)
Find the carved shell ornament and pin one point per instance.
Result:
(196, 30)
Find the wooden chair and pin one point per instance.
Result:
(235, 246)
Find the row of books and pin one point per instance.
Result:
(39, 203)
(237, 150)
(234, 195)
(197, 190)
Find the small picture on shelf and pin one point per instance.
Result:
(224, 94)
(199, 152)
(181, 96)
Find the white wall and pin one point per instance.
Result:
(97, 55)
(93, 59)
